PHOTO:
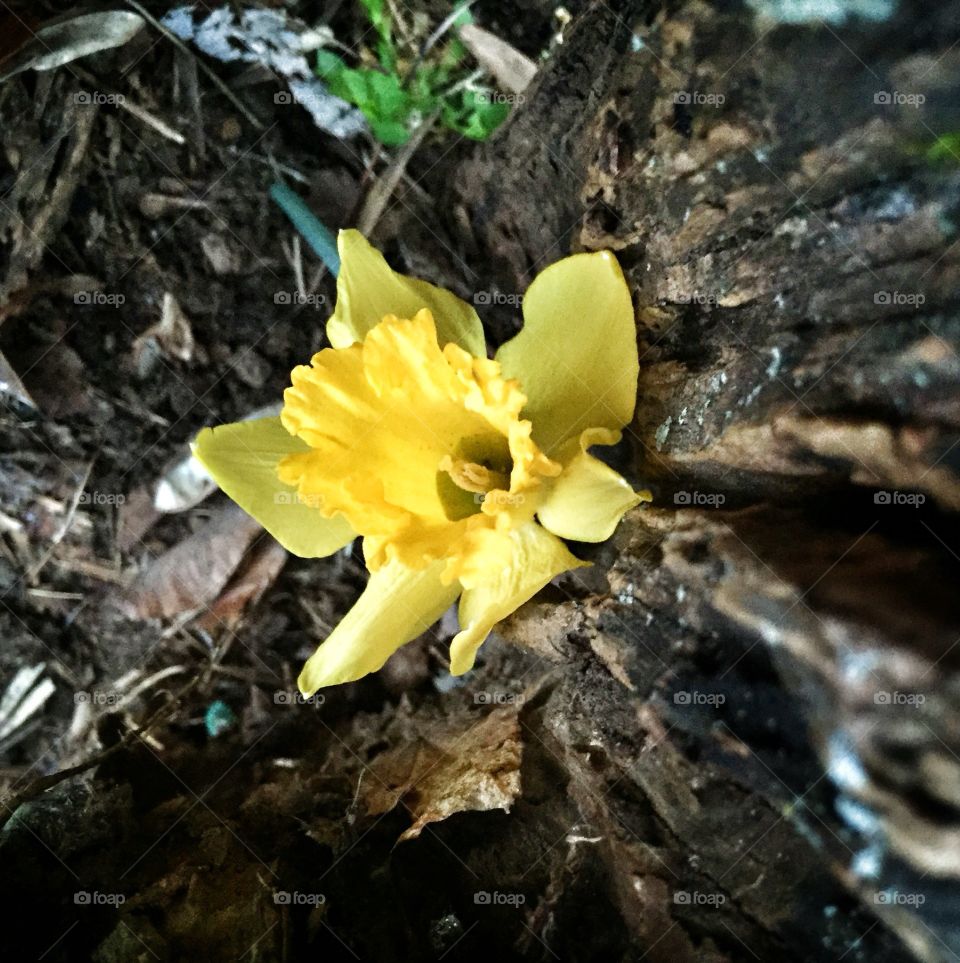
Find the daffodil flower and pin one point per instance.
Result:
(461, 473)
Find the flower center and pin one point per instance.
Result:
(416, 446)
(472, 477)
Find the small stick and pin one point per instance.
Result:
(131, 108)
(383, 187)
(155, 122)
(43, 783)
(58, 537)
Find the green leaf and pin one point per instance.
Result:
(377, 16)
(380, 19)
(380, 96)
(453, 54)
(387, 97)
(946, 148)
(474, 114)
(390, 133)
(464, 17)
(329, 68)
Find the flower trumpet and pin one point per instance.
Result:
(463, 474)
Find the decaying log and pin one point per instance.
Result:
(794, 258)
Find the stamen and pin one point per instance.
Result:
(472, 477)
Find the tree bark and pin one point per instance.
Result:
(793, 253)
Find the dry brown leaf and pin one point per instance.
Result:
(63, 39)
(193, 573)
(513, 70)
(452, 767)
(221, 256)
(171, 336)
(135, 517)
(247, 586)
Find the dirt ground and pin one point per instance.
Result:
(560, 802)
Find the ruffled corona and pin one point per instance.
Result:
(422, 451)
(461, 473)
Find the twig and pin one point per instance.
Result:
(383, 187)
(136, 110)
(150, 120)
(40, 785)
(177, 42)
(58, 537)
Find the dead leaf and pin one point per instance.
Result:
(135, 517)
(455, 765)
(514, 71)
(222, 257)
(155, 206)
(62, 40)
(171, 336)
(10, 384)
(184, 484)
(191, 574)
(246, 588)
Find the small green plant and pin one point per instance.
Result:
(945, 149)
(403, 87)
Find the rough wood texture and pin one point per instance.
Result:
(796, 268)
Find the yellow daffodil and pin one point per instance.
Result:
(461, 473)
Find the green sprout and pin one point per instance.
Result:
(945, 149)
(398, 92)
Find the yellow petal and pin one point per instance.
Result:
(576, 357)
(368, 289)
(243, 458)
(397, 605)
(377, 419)
(388, 420)
(589, 498)
(537, 556)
